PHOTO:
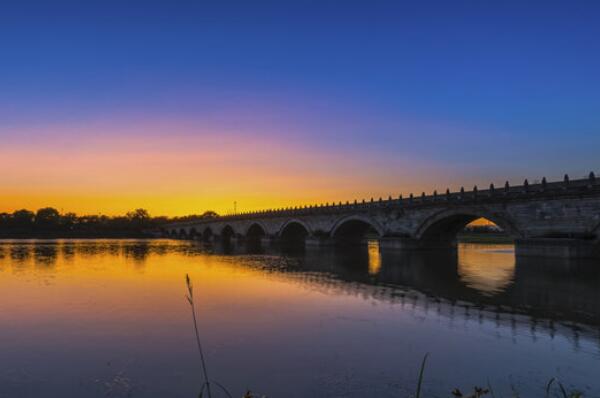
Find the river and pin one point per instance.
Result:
(100, 318)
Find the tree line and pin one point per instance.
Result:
(50, 223)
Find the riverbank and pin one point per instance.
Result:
(116, 235)
(489, 238)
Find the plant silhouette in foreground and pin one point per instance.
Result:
(206, 384)
(421, 372)
(563, 392)
(559, 390)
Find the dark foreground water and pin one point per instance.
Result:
(108, 318)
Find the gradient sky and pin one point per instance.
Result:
(184, 106)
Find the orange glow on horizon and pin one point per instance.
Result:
(177, 175)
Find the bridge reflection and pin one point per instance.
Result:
(485, 282)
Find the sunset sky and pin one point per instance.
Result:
(185, 106)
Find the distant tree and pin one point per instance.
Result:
(5, 219)
(49, 222)
(138, 219)
(209, 214)
(160, 220)
(69, 220)
(48, 217)
(138, 214)
(23, 218)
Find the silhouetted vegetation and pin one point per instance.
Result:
(50, 223)
(483, 234)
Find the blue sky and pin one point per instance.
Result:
(477, 90)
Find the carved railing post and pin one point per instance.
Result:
(590, 181)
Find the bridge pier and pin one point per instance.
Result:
(406, 243)
(557, 248)
(268, 241)
(237, 240)
(319, 241)
(396, 243)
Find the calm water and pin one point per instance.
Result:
(109, 318)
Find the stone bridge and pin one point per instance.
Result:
(557, 219)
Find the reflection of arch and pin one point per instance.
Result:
(292, 222)
(294, 232)
(446, 224)
(356, 226)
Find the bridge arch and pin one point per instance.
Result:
(255, 230)
(226, 235)
(183, 233)
(293, 223)
(445, 225)
(355, 226)
(227, 230)
(193, 234)
(294, 232)
(254, 235)
(207, 234)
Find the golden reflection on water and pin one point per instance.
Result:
(132, 283)
(374, 257)
(487, 268)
